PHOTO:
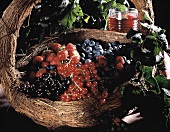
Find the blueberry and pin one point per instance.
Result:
(101, 51)
(51, 67)
(88, 49)
(86, 41)
(90, 55)
(113, 43)
(84, 45)
(98, 47)
(109, 51)
(92, 43)
(88, 60)
(97, 53)
(78, 45)
(82, 54)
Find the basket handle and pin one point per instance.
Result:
(10, 23)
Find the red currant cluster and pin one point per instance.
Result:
(65, 60)
(85, 83)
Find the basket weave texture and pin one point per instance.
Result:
(52, 114)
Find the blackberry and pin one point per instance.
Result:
(49, 86)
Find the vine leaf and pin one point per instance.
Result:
(71, 17)
(163, 81)
(146, 71)
(153, 84)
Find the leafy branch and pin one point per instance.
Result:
(147, 52)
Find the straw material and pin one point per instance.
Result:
(52, 114)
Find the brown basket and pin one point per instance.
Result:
(51, 114)
(54, 114)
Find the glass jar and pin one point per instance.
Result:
(123, 21)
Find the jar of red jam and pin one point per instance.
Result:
(123, 21)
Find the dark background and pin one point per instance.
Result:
(162, 17)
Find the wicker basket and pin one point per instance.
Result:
(51, 114)
(54, 114)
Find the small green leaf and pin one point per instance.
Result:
(109, 5)
(87, 19)
(152, 82)
(121, 7)
(147, 16)
(137, 92)
(167, 100)
(71, 17)
(132, 53)
(157, 50)
(134, 41)
(151, 37)
(146, 71)
(163, 81)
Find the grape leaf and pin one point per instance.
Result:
(146, 71)
(157, 50)
(163, 81)
(71, 17)
(121, 7)
(152, 82)
(151, 37)
(109, 5)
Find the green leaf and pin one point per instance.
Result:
(152, 82)
(146, 71)
(163, 82)
(151, 37)
(162, 31)
(77, 11)
(147, 16)
(109, 5)
(137, 41)
(116, 5)
(132, 53)
(157, 50)
(87, 19)
(71, 16)
(167, 100)
(121, 7)
(137, 91)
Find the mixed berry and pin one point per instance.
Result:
(77, 71)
